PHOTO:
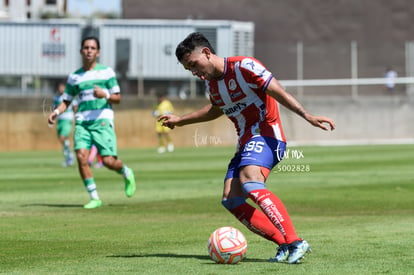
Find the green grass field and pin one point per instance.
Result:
(353, 204)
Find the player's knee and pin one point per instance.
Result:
(231, 203)
(251, 186)
(108, 161)
(82, 156)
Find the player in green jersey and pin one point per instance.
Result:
(64, 125)
(96, 89)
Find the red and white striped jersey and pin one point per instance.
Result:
(240, 94)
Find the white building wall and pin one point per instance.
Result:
(19, 10)
(50, 48)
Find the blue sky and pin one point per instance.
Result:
(87, 7)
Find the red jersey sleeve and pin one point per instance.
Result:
(255, 73)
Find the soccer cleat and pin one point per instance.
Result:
(281, 254)
(170, 147)
(297, 251)
(71, 160)
(129, 183)
(98, 165)
(67, 163)
(93, 204)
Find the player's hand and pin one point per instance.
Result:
(98, 92)
(51, 119)
(169, 121)
(321, 121)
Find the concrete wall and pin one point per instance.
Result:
(364, 120)
(370, 119)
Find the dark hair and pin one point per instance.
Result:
(91, 38)
(58, 83)
(192, 41)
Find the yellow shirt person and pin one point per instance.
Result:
(164, 107)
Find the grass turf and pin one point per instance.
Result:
(354, 205)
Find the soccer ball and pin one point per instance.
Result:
(227, 245)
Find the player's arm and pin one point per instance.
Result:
(113, 98)
(57, 111)
(207, 113)
(276, 91)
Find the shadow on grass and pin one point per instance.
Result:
(53, 205)
(172, 255)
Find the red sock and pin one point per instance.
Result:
(99, 157)
(276, 212)
(258, 223)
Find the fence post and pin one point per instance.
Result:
(299, 66)
(409, 65)
(140, 76)
(354, 67)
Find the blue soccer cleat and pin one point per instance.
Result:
(281, 254)
(297, 251)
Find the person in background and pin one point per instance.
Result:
(94, 154)
(164, 107)
(64, 125)
(96, 88)
(390, 76)
(248, 94)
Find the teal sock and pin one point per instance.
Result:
(66, 150)
(124, 171)
(91, 188)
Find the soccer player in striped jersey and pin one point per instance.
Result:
(64, 125)
(248, 94)
(96, 89)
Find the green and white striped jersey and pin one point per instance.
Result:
(68, 114)
(81, 83)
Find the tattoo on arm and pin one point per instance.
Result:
(300, 111)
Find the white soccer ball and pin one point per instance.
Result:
(227, 245)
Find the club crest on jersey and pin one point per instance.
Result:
(232, 84)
